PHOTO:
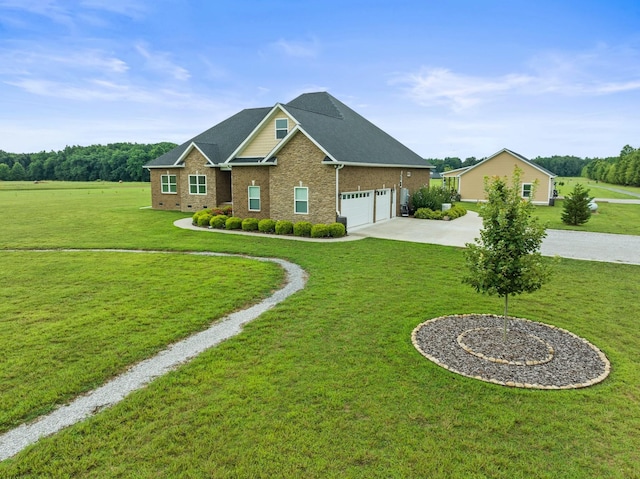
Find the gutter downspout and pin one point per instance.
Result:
(338, 168)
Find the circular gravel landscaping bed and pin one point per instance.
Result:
(535, 355)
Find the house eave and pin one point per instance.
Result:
(383, 165)
(163, 167)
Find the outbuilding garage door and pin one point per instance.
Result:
(383, 204)
(357, 207)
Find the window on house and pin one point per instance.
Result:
(526, 190)
(254, 198)
(282, 128)
(197, 185)
(169, 184)
(301, 200)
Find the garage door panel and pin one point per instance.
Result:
(357, 207)
(383, 204)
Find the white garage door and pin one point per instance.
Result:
(357, 207)
(383, 204)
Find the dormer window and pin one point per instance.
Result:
(282, 128)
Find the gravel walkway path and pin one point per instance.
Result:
(146, 371)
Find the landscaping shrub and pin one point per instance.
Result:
(218, 221)
(250, 224)
(302, 228)
(337, 230)
(267, 226)
(233, 223)
(196, 216)
(428, 214)
(227, 210)
(320, 230)
(203, 220)
(456, 211)
(284, 227)
(432, 198)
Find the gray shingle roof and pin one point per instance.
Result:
(344, 134)
(347, 136)
(219, 141)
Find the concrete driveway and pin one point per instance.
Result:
(606, 247)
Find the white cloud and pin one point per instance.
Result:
(298, 49)
(129, 8)
(33, 60)
(51, 9)
(442, 86)
(601, 71)
(160, 62)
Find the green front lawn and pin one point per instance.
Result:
(328, 384)
(71, 320)
(610, 218)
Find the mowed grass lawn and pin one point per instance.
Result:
(328, 384)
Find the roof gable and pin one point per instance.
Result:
(218, 142)
(512, 153)
(262, 139)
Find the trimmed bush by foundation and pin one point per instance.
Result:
(320, 230)
(250, 224)
(267, 226)
(203, 220)
(337, 230)
(196, 216)
(284, 227)
(218, 221)
(233, 223)
(302, 228)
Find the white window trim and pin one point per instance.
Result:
(295, 200)
(168, 184)
(198, 184)
(249, 198)
(286, 129)
(530, 185)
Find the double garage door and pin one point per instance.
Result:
(359, 207)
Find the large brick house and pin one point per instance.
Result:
(311, 159)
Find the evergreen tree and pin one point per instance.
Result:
(505, 260)
(575, 208)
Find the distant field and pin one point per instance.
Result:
(597, 189)
(67, 185)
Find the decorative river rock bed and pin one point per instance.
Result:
(535, 355)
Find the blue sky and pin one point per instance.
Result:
(447, 78)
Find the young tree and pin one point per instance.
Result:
(575, 208)
(505, 260)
